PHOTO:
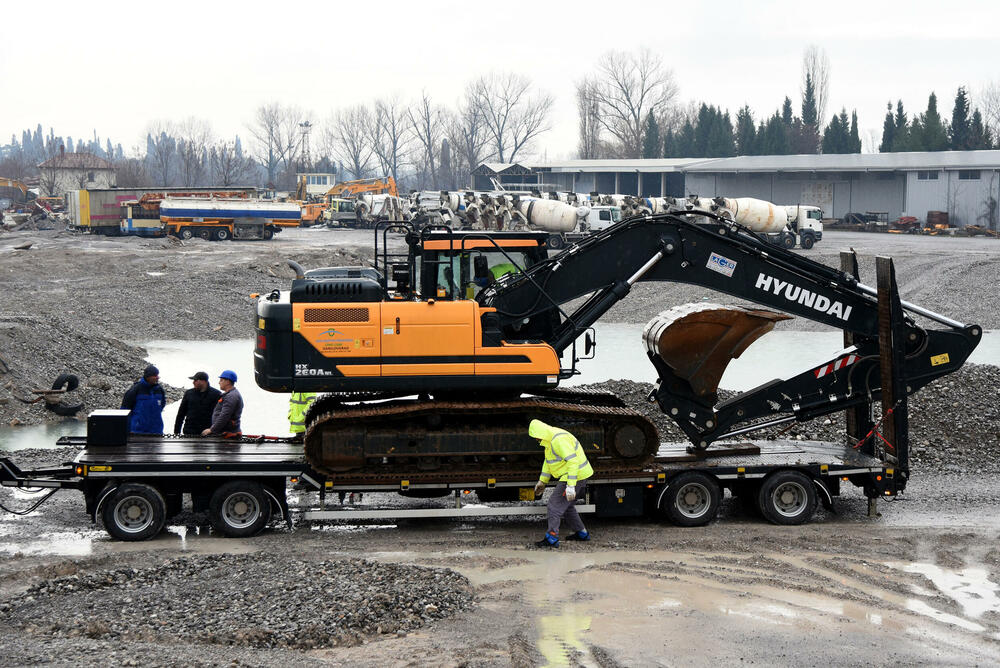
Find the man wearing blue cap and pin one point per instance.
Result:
(228, 410)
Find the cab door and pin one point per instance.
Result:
(432, 338)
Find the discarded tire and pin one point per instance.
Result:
(66, 381)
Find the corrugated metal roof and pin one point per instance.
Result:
(628, 165)
(852, 162)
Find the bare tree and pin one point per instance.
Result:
(229, 166)
(275, 130)
(590, 125)
(467, 136)
(626, 88)
(389, 135)
(130, 172)
(48, 173)
(816, 64)
(346, 137)
(988, 102)
(161, 152)
(871, 140)
(428, 125)
(194, 138)
(512, 115)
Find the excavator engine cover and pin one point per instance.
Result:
(697, 341)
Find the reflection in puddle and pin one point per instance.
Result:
(559, 637)
(922, 608)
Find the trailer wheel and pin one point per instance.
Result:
(807, 242)
(205, 234)
(787, 497)
(239, 509)
(691, 499)
(134, 511)
(221, 234)
(185, 233)
(267, 234)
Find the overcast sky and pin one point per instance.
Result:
(114, 67)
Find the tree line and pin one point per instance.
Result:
(629, 107)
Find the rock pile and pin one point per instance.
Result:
(258, 600)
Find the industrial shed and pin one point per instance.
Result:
(965, 184)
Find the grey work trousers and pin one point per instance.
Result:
(560, 509)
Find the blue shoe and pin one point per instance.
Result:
(579, 535)
(550, 540)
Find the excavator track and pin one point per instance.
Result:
(453, 441)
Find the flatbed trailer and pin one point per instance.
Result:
(134, 489)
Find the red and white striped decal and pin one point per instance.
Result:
(834, 366)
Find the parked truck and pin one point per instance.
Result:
(432, 367)
(210, 218)
(99, 210)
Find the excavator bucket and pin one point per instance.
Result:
(697, 340)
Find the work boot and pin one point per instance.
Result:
(579, 535)
(550, 540)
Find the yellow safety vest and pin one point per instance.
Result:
(565, 459)
(298, 404)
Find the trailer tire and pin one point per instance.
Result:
(691, 499)
(267, 234)
(134, 511)
(788, 498)
(221, 234)
(205, 234)
(185, 233)
(239, 509)
(807, 242)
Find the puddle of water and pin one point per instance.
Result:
(926, 610)
(971, 588)
(63, 544)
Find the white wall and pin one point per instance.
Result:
(75, 179)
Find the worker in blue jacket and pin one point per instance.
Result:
(146, 399)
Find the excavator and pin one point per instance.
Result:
(376, 186)
(435, 359)
(13, 183)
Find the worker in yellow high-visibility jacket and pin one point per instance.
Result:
(566, 462)
(298, 404)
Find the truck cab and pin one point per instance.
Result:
(806, 222)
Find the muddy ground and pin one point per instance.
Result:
(917, 584)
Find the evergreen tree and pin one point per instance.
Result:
(786, 112)
(888, 130)
(721, 141)
(935, 134)
(775, 141)
(702, 129)
(669, 144)
(901, 139)
(980, 137)
(69, 144)
(855, 146)
(833, 136)
(745, 133)
(809, 102)
(686, 141)
(960, 133)
(651, 137)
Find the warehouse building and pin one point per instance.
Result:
(965, 184)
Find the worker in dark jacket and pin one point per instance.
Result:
(228, 409)
(195, 411)
(146, 399)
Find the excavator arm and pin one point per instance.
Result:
(730, 259)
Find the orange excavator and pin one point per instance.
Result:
(14, 183)
(435, 360)
(347, 189)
